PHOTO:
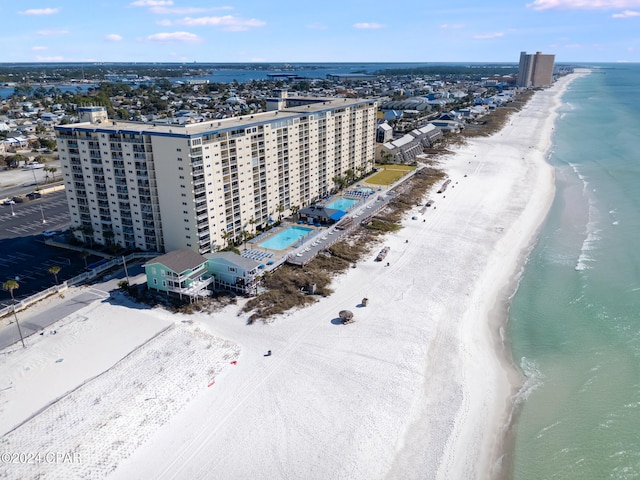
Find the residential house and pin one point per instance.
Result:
(233, 272)
(384, 133)
(181, 271)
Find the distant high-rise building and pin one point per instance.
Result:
(535, 70)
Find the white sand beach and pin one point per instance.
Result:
(418, 387)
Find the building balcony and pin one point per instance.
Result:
(195, 287)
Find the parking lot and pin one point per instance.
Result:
(26, 218)
(23, 254)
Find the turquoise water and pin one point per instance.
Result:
(343, 204)
(286, 237)
(575, 320)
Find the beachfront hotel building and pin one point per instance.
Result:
(162, 187)
(535, 70)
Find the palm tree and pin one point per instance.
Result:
(226, 235)
(54, 270)
(87, 231)
(349, 176)
(280, 209)
(84, 254)
(245, 235)
(11, 285)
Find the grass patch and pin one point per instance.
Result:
(389, 175)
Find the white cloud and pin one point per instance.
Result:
(113, 37)
(227, 22)
(174, 37)
(626, 14)
(52, 32)
(368, 26)
(452, 25)
(486, 36)
(39, 48)
(152, 3)
(40, 11)
(583, 4)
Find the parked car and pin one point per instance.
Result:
(49, 233)
(8, 201)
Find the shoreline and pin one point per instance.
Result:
(503, 460)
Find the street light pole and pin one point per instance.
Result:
(18, 324)
(124, 262)
(42, 212)
(13, 214)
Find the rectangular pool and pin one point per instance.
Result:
(286, 237)
(343, 204)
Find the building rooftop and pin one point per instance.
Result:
(194, 129)
(179, 260)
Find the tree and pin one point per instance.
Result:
(54, 270)
(226, 235)
(349, 176)
(245, 235)
(87, 232)
(10, 286)
(84, 254)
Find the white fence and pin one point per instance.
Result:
(83, 277)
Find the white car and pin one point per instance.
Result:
(9, 202)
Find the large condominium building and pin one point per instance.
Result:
(535, 70)
(162, 187)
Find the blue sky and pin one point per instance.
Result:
(318, 31)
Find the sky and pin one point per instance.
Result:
(204, 31)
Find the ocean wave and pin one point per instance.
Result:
(590, 243)
(533, 379)
(583, 179)
(547, 428)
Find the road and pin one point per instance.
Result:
(37, 321)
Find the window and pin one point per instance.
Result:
(164, 283)
(155, 281)
(163, 273)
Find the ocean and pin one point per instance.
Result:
(574, 322)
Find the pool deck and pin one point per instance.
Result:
(327, 237)
(324, 237)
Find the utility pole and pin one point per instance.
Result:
(124, 262)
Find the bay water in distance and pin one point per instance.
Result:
(574, 322)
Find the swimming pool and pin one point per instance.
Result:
(343, 204)
(286, 237)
